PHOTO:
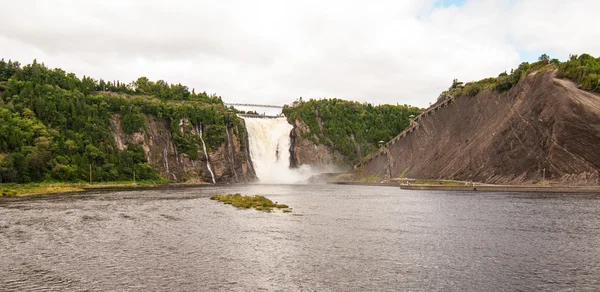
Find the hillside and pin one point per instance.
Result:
(340, 132)
(55, 126)
(541, 126)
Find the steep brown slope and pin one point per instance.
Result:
(541, 123)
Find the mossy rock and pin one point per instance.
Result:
(257, 202)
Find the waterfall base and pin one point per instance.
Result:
(269, 143)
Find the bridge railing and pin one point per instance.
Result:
(258, 116)
(253, 105)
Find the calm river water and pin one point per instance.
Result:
(339, 238)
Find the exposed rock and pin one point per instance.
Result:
(305, 152)
(115, 125)
(229, 162)
(541, 123)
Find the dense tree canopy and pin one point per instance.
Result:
(53, 125)
(584, 70)
(343, 125)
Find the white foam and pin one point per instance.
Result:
(269, 141)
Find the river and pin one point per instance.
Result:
(338, 238)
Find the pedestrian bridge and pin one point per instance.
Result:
(268, 111)
(258, 116)
(253, 105)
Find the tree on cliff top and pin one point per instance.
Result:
(342, 124)
(53, 125)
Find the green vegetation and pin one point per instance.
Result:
(503, 82)
(354, 129)
(584, 70)
(259, 203)
(15, 189)
(53, 125)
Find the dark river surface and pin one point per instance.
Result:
(338, 238)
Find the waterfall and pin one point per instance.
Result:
(199, 130)
(269, 141)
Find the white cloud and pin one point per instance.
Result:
(559, 27)
(274, 51)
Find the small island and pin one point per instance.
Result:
(257, 202)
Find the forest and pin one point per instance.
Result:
(345, 123)
(55, 126)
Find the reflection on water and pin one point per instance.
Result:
(339, 238)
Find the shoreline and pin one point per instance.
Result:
(36, 189)
(13, 190)
(483, 188)
(43, 188)
(506, 188)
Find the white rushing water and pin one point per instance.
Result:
(269, 141)
(212, 175)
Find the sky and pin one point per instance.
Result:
(274, 51)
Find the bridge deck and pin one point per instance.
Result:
(258, 116)
(254, 105)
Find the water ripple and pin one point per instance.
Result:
(338, 238)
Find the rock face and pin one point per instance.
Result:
(542, 126)
(229, 162)
(306, 152)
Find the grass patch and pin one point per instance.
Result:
(14, 189)
(257, 202)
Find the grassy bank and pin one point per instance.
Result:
(14, 189)
(259, 203)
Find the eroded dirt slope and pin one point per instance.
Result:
(541, 123)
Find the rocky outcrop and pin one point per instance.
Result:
(543, 126)
(304, 150)
(229, 163)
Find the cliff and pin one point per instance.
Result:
(230, 162)
(340, 132)
(55, 126)
(542, 126)
(304, 151)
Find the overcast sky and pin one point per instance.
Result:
(273, 52)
